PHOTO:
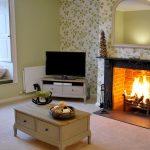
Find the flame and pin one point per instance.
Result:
(141, 87)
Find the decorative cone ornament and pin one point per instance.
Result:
(103, 49)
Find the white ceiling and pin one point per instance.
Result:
(134, 5)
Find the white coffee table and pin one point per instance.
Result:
(36, 121)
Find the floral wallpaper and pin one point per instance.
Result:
(80, 32)
(81, 22)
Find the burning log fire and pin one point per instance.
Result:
(140, 95)
(140, 91)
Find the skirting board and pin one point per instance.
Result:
(17, 98)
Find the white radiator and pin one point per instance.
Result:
(32, 75)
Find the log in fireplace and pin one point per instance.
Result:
(135, 102)
(119, 76)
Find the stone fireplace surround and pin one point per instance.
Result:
(105, 75)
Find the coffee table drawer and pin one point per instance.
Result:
(74, 129)
(25, 120)
(47, 129)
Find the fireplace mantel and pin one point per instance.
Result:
(132, 63)
(123, 59)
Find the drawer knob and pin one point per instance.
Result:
(24, 120)
(46, 129)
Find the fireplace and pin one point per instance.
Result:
(120, 76)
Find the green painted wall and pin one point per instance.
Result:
(119, 27)
(137, 27)
(37, 30)
(132, 27)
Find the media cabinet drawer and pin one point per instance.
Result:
(73, 90)
(55, 89)
(47, 129)
(25, 120)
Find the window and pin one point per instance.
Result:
(7, 39)
(5, 51)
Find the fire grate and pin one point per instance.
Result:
(135, 102)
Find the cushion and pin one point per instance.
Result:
(2, 72)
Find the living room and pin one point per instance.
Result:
(70, 25)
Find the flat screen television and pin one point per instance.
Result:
(65, 64)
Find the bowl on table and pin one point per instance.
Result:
(62, 113)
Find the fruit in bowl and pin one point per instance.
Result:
(61, 111)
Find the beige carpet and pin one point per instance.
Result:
(107, 134)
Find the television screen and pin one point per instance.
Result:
(65, 63)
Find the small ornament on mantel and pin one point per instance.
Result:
(103, 49)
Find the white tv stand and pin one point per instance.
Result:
(75, 88)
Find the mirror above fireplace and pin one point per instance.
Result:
(131, 24)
